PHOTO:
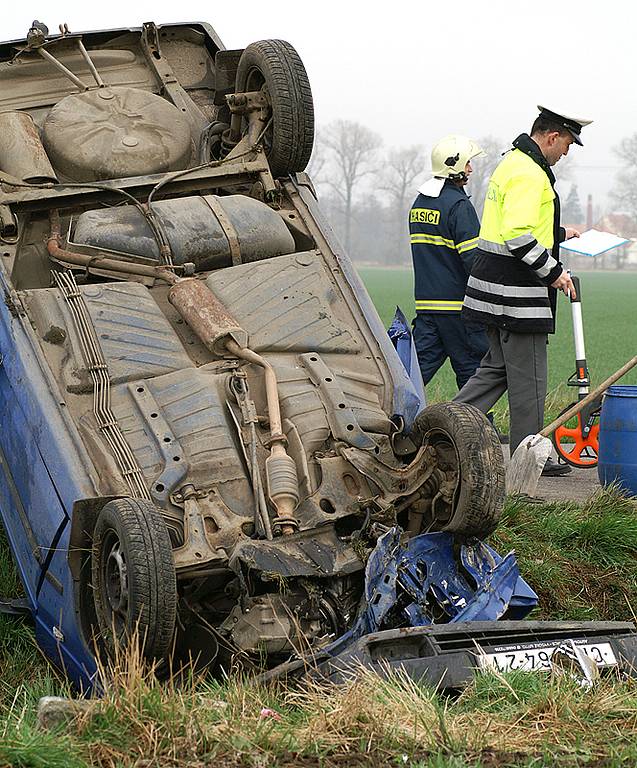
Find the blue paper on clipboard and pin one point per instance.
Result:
(593, 243)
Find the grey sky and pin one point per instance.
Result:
(415, 71)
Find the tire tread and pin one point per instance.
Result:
(151, 573)
(292, 104)
(481, 465)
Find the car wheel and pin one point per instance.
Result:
(468, 485)
(134, 582)
(275, 67)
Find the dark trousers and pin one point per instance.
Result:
(439, 336)
(516, 363)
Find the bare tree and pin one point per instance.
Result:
(483, 167)
(351, 149)
(318, 159)
(399, 174)
(624, 194)
(398, 179)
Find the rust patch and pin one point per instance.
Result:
(206, 315)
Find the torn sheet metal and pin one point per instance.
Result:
(400, 334)
(432, 578)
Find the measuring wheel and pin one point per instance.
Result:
(577, 441)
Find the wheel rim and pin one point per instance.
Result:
(114, 582)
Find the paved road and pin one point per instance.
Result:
(578, 485)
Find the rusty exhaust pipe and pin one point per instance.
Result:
(280, 469)
(221, 334)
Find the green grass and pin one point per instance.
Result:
(499, 720)
(581, 559)
(608, 306)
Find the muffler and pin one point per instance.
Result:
(206, 315)
(22, 155)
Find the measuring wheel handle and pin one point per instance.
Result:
(578, 445)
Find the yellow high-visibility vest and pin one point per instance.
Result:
(519, 202)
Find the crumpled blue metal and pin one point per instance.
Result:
(432, 579)
(400, 334)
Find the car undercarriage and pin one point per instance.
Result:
(206, 431)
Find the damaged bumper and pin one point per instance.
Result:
(448, 656)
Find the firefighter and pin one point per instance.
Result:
(444, 228)
(517, 273)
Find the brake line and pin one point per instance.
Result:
(98, 369)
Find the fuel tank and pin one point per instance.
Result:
(211, 232)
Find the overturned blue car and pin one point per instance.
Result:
(207, 439)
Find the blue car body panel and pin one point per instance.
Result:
(43, 470)
(404, 581)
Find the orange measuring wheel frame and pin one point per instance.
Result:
(577, 441)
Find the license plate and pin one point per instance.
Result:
(536, 658)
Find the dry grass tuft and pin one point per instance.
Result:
(499, 720)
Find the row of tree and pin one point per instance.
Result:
(367, 189)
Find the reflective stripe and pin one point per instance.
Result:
(438, 306)
(512, 291)
(467, 245)
(534, 254)
(544, 270)
(530, 258)
(520, 240)
(499, 248)
(432, 240)
(503, 309)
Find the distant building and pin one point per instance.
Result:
(619, 224)
(623, 225)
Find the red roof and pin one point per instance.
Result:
(618, 223)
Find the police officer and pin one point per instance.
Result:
(444, 230)
(517, 273)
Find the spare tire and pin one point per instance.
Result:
(274, 66)
(468, 452)
(134, 582)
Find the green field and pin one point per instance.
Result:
(609, 308)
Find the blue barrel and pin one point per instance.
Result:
(618, 438)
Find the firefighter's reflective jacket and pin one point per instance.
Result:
(444, 235)
(518, 249)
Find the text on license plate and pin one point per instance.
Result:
(530, 659)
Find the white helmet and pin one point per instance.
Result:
(451, 154)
